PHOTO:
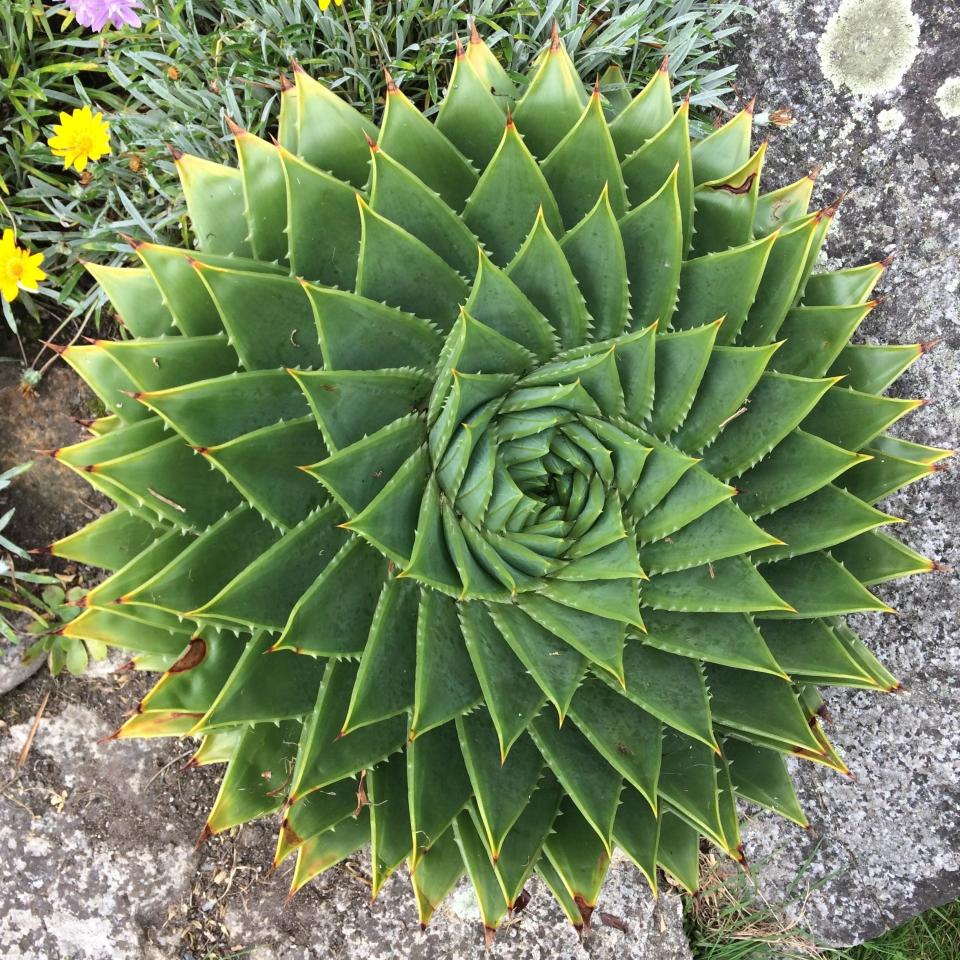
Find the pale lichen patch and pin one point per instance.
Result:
(890, 120)
(948, 97)
(868, 45)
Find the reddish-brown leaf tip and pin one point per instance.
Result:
(927, 345)
(286, 83)
(205, 834)
(665, 63)
(391, 84)
(886, 261)
(460, 51)
(554, 37)
(175, 152)
(474, 34)
(295, 65)
(371, 143)
(749, 107)
(233, 126)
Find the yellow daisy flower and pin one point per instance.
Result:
(326, 3)
(19, 269)
(79, 137)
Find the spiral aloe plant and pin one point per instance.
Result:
(490, 490)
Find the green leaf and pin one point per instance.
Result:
(556, 666)
(511, 697)
(758, 703)
(385, 680)
(508, 198)
(390, 839)
(263, 465)
(815, 336)
(823, 519)
(330, 132)
(470, 116)
(135, 296)
(653, 241)
(798, 466)
(669, 687)
(361, 334)
(323, 756)
(264, 195)
(318, 203)
(688, 782)
(871, 368)
(637, 831)
(777, 405)
(760, 776)
(840, 288)
(493, 904)
(264, 687)
(435, 875)
(412, 140)
(808, 649)
(446, 685)
(721, 285)
(402, 271)
(645, 116)
(552, 102)
(498, 302)
(327, 849)
(650, 165)
(584, 166)
(210, 412)
(214, 195)
(595, 251)
(727, 586)
(779, 207)
(206, 565)
(678, 850)
(725, 149)
(725, 208)
(815, 585)
(333, 615)
(875, 558)
(596, 637)
(501, 789)
(579, 857)
(731, 375)
(542, 272)
(256, 770)
(851, 419)
(264, 593)
(681, 361)
(728, 639)
(439, 786)
(402, 198)
(156, 364)
(349, 404)
(109, 542)
(589, 781)
(624, 734)
(356, 474)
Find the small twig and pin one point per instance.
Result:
(28, 743)
(170, 763)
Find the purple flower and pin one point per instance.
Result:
(96, 14)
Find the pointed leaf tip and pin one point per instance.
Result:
(665, 63)
(175, 152)
(233, 126)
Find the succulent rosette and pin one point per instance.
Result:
(490, 490)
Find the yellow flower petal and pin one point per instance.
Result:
(81, 137)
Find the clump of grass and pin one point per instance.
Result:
(730, 919)
(194, 60)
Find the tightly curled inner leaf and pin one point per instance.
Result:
(491, 490)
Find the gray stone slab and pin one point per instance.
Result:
(97, 860)
(890, 841)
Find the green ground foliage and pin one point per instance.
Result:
(196, 60)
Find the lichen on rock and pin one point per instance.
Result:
(869, 45)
